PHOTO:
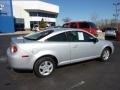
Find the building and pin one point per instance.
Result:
(27, 13)
(6, 16)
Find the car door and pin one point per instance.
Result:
(60, 47)
(81, 47)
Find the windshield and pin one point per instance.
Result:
(112, 29)
(38, 35)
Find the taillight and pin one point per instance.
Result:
(13, 49)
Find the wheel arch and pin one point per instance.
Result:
(108, 47)
(48, 55)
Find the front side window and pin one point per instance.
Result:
(87, 37)
(79, 36)
(75, 36)
(58, 38)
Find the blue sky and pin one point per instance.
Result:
(84, 10)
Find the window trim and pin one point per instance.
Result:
(77, 37)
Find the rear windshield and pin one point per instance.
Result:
(92, 25)
(111, 29)
(38, 35)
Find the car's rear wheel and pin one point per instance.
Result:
(44, 67)
(105, 54)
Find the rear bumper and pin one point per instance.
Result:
(17, 62)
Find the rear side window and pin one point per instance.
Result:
(66, 25)
(84, 25)
(73, 25)
(58, 38)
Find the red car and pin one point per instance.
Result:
(88, 26)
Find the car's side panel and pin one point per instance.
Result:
(58, 49)
(28, 51)
(81, 50)
(105, 44)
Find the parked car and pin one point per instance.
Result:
(43, 51)
(54, 27)
(35, 27)
(87, 26)
(110, 32)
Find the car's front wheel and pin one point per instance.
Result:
(105, 54)
(44, 67)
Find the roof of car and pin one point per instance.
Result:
(78, 22)
(65, 29)
(62, 29)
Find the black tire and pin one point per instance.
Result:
(105, 55)
(44, 67)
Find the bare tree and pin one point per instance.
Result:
(94, 17)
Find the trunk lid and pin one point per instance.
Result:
(17, 39)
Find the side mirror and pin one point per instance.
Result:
(94, 40)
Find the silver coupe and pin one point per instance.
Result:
(43, 51)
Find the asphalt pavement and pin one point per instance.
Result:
(88, 75)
